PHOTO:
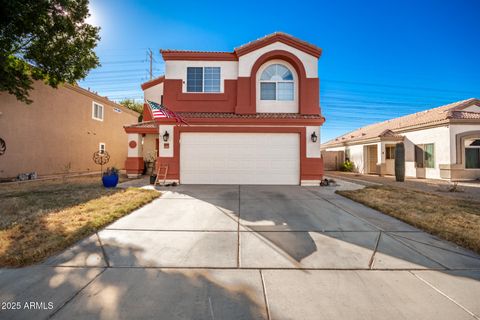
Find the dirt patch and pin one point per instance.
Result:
(456, 220)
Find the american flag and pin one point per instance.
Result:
(161, 112)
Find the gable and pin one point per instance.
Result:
(472, 108)
(246, 61)
(282, 38)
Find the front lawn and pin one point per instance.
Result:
(456, 220)
(42, 218)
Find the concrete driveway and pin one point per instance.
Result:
(252, 252)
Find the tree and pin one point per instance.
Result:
(46, 40)
(133, 105)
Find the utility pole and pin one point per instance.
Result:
(150, 54)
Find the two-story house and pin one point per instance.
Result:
(253, 115)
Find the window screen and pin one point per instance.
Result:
(212, 79)
(194, 79)
(268, 91)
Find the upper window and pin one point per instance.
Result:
(425, 155)
(203, 79)
(97, 111)
(472, 154)
(276, 83)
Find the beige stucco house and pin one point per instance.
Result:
(440, 143)
(59, 132)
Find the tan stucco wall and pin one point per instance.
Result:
(58, 129)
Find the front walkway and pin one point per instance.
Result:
(252, 252)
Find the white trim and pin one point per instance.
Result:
(93, 111)
(277, 106)
(100, 146)
(185, 84)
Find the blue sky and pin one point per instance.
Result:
(381, 59)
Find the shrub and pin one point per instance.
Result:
(347, 166)
(111, 172)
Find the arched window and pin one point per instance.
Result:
(276, 83)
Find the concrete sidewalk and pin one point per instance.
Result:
(252, 252)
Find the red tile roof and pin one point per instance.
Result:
(281, 37)
(464, 115)
(224, 115)
(144, 125)
(152, 82)
(169, 54)
(437, 115)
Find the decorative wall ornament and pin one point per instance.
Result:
(101, 158)
(3, 147)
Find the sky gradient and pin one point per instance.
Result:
(381, 59)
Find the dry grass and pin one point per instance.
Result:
(456, 220)
(40, 219)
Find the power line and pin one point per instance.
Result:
(122, 62)
(396, 86)
(116, 71)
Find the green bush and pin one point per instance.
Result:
(347, 166)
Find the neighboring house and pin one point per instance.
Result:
(59, 132)
(253, 115)
(440, 143)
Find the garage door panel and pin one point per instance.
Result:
(239, 158)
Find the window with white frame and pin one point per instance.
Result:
(97, 111)
(276, 83)
(101, 147)
(203, 79)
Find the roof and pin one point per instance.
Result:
(285, 38)
(198, 55)
(99, 98)
(152, 124)
(226, 115)
(280, 37)
(153, 82)
(392, 128)
(217, 117)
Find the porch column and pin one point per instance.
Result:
(134, 162)
(166, 147)
(382, 163)
(167, 152)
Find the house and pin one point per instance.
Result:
(253, 115)
(440, 143)
(59, 132)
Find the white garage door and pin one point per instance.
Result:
(239, 158)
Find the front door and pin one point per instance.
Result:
(372, 159)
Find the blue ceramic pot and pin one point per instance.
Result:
(110, 181)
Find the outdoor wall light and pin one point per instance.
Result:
(314, 137)
(165, 136)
